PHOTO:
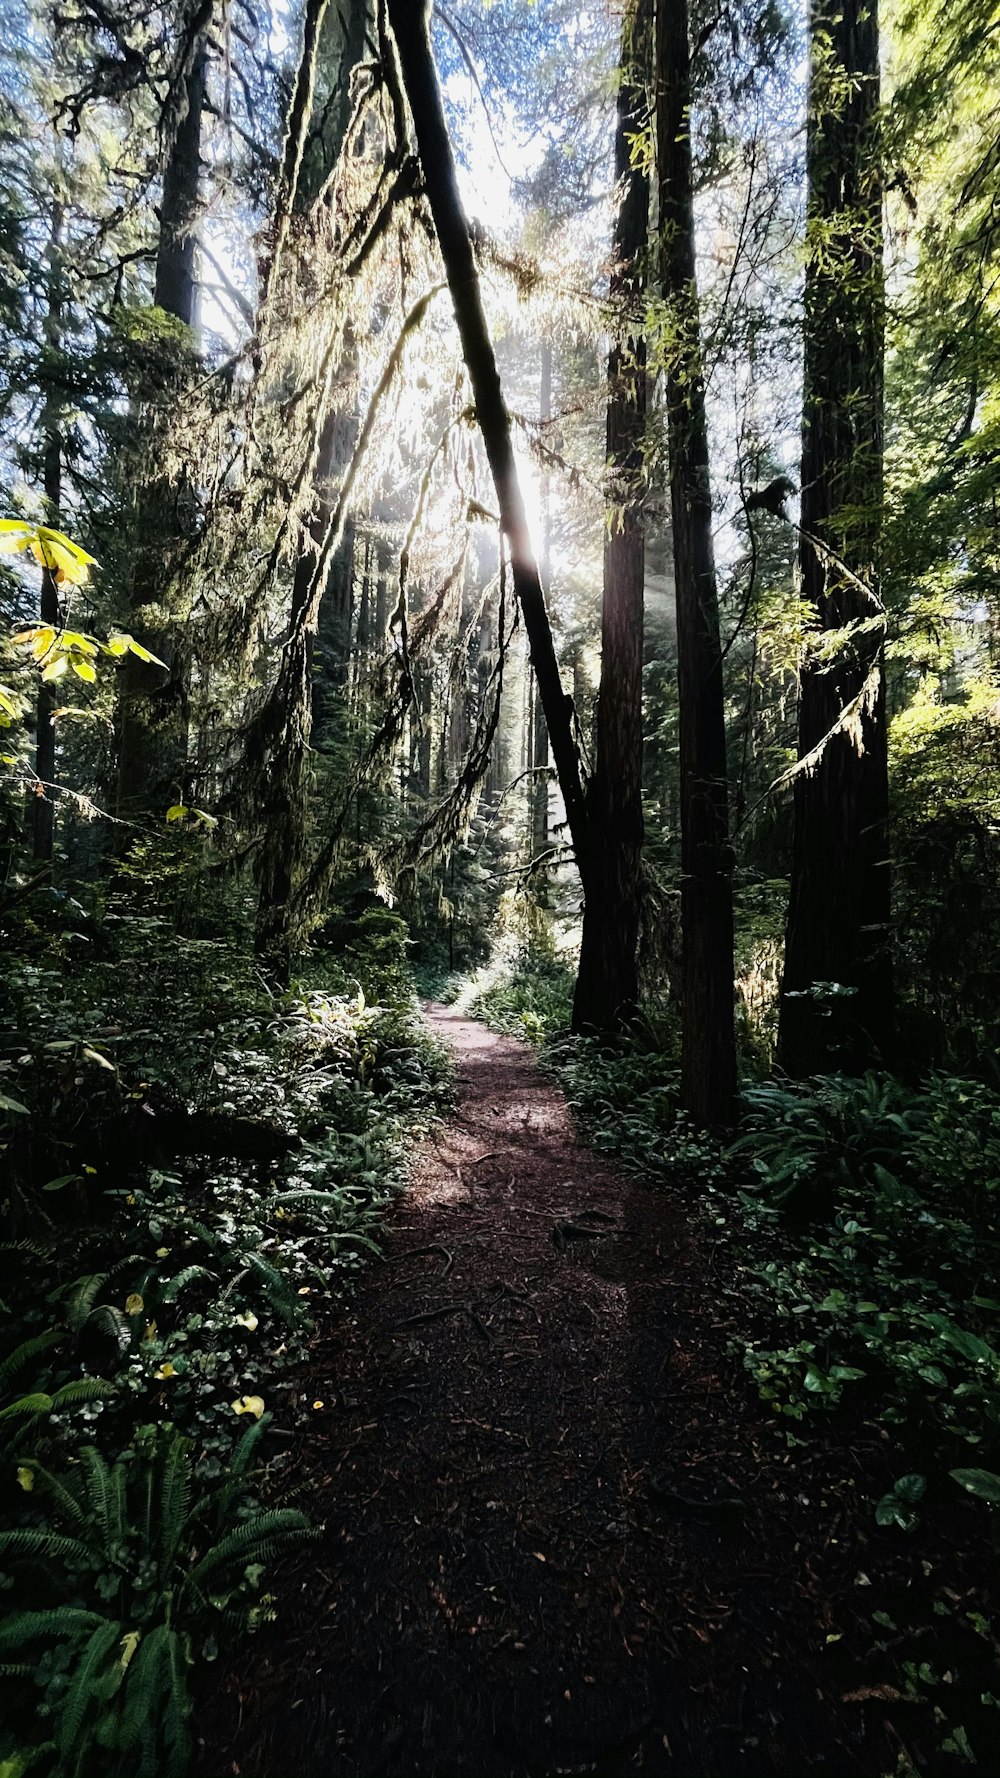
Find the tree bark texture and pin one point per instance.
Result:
(155, 704)
(538, 734)
(43, 813)
(839, 912)
(708, 1069)
(607, 982)
(409, 22)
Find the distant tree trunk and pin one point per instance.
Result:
(708, 1071)
(607, 984)
(153, 730)
(282, 844)
(43, 814)
(409, 21)
(839, 912)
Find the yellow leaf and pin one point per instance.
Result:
(165, 1371)
(129, 1643)
(176, 812)
(249, 1404)
(117, 645)
(134, 1304)
(162, 1252)
(15, 535)
(102, 1061)
(26, 1478)
(143, 654)
(76, 640)
(317, 1404)
(248, 1320)
(84, 670)
(56, 668)
(59, 540)
(39, 639)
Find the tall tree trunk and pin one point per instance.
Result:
(607, 982)
(538, 734)
(839, 911)
(154, 719)
(309, 694)
(409, 22)
(708, 1069)
(43, 814)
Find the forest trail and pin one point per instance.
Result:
(560, 1535)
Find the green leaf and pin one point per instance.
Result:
(910, 1487)
(983, 1483)
(56, 1185)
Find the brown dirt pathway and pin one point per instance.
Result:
(560, 1536)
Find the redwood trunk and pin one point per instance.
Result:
(708, 1069)
(153, 742)
(43, 814)
(839, 913)
(607, 983)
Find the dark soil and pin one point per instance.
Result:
(561, 1535)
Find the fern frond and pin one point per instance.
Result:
(308, 1194)
(109, 1320)
(278, 1288)
(35, 1248)
(56, 1620)
(182, 1280)
(244, 1453)
(157, 1706)
(85, 1682)
(23, 1354)
(81, 1296)
(27, 1404)
(177, 1708)
(97, 1481)
(68, 1507)
(127, 1263)
(175, 1496)
(42, 1546)
(259, 1539)
(140, 1705)
(83, 1389)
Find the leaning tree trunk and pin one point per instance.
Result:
(43, 813)
(708, 1068)
(154, 718)
(839, 913)
(409, 21)
(607, 983)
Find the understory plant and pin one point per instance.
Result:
(133, 1574)
(180, 1202)
(880, 1203)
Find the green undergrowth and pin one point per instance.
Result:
(194, 1168)
(861, 1219)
